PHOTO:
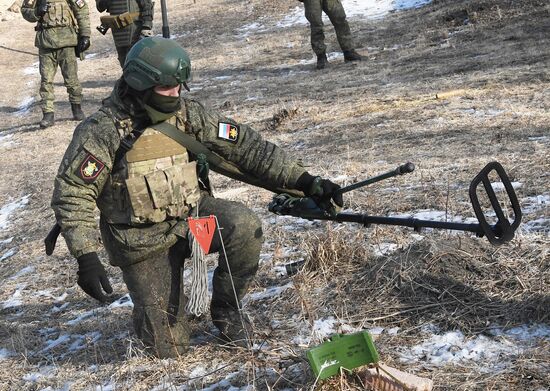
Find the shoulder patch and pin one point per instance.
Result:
(80, 3)
(90, 168)
(228, 132)
(28, 3)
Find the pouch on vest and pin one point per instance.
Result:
(59, 14)
(162, 194)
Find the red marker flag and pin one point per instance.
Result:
(203, 229)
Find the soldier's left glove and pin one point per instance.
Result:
(83, 44)
(322, 191)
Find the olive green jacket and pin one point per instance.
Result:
(61, 26)
(74, 199)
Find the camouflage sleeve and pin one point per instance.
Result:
(146, 13)
(245, 147)
(82, 15)
(28, 11)
(82, 174)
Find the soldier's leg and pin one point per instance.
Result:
(48, 67)
(156, 289)
(69, 70)
(242, 236)
(313, 12)
(337, 15)
(122, 51)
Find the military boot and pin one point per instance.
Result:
(352, 55)
(322, 61)
(47, 120)
(78, 115)
(234, 329)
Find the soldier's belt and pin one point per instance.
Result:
(118, 21)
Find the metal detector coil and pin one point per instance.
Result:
(503, 230)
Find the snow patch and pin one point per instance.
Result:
(268, 293)
(5, 353)
(16, 299)
(22, 272)
(365, 9)
(5, 140)
(382, 249)
(7, 210)
(124, 301)
(24, 106)
(11, 252)
(453, 347)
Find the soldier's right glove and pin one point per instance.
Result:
(322, 191)
(92, 277)
(42, 8)
(83, 44)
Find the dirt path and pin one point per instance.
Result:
(449, 86)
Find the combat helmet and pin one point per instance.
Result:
(156, 61)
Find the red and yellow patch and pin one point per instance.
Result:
(90, 168)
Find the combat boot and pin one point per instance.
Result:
(47, 120)
(352, 55)
(78, 115)
(234, 329)
(322, 61)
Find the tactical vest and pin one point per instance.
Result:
(123, 37)
(154, 182)
(59, 14)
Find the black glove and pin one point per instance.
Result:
(102, 5)
(322, 191)
(92, 277)
(42, 8)
(83, 44)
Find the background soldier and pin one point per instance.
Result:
(62, 34)
(337, 16)
(137, 23)
(146, 194)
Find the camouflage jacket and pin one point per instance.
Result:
(61, 26)
(88, 175)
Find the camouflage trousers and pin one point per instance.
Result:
(49, 60)
(156, 286)
(337, 16)
(122, 51)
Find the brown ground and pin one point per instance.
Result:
(448, 95)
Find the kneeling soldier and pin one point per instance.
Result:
(146, 184)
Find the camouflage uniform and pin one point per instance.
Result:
(125, 37)
(57, 35)
(337, 16)
(144, 200)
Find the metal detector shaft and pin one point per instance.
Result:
(164, 12)
(402, 169)
(417, 224)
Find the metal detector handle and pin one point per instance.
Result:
(402, 169)
(503, 230)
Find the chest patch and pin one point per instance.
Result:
(228, 132)
(89, 169)
(80, 3)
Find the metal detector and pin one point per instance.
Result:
(499, 232)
